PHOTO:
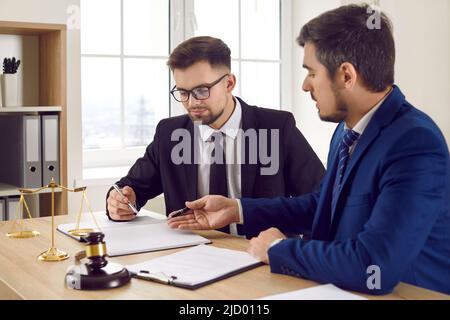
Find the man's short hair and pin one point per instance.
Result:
(350, 34)
(209, 49)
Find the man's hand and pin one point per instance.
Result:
(118, 206)
(259, 246)
(207, 213)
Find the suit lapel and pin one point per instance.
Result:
(364, 142)
(248, 170)
(322, 223)
(382, 117)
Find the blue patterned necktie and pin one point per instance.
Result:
(348, 140)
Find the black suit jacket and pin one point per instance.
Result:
(300, 170)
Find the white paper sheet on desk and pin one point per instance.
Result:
(104, 222)
(87, 222)
(323, 292)
(197, 265)
(143, 234)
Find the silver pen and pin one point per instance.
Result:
(129, 203)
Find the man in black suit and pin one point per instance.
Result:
(222, 146)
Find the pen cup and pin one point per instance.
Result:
(10, 92)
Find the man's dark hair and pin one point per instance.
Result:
(347, 34)
(209, 49)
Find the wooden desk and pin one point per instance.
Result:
(22, 276)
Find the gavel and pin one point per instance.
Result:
(97, 273)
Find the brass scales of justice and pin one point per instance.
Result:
(52, 254)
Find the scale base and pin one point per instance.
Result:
(81, 232)
(23, 234)
(52, 255)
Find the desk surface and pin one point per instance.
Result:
(22, 276)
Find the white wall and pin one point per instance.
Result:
(422, 35)
(317, 132)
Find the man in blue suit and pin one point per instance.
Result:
(382, 214)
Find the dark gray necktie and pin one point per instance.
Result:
(218, 170)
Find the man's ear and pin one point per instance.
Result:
(231, 82)
(347, 75)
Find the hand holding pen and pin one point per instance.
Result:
(207, 213)
(180, 212)
(121, 203)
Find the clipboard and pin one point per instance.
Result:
(198, 259)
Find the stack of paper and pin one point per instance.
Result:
(324, 292)
(140, 235)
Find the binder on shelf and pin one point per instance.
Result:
(20, 141)
(194, 267)
(50, 149)
(12, 204)
(2, 209)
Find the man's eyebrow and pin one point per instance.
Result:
(206, 84)
(308, 67)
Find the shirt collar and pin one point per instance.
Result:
(230, 128)
(364, 122)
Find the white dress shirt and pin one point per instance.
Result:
(230, 131)
(364, 122)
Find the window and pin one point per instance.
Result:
(251, 28)
(125, 81)
(124, 49)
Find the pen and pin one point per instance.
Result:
(179, 212)
(129, 203)
(161, 277)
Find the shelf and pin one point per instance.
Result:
(7, 190)
(27, 28)
(30, 109)
(49, 73)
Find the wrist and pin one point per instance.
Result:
(235, 211)
(275, 242)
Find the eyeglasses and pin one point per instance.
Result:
(199, 93)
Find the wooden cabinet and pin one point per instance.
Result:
(51, 79)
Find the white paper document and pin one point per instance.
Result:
(194, 267)
(104, 222)
(323, 292)
(142, 234)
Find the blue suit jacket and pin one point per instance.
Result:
(393, 210)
